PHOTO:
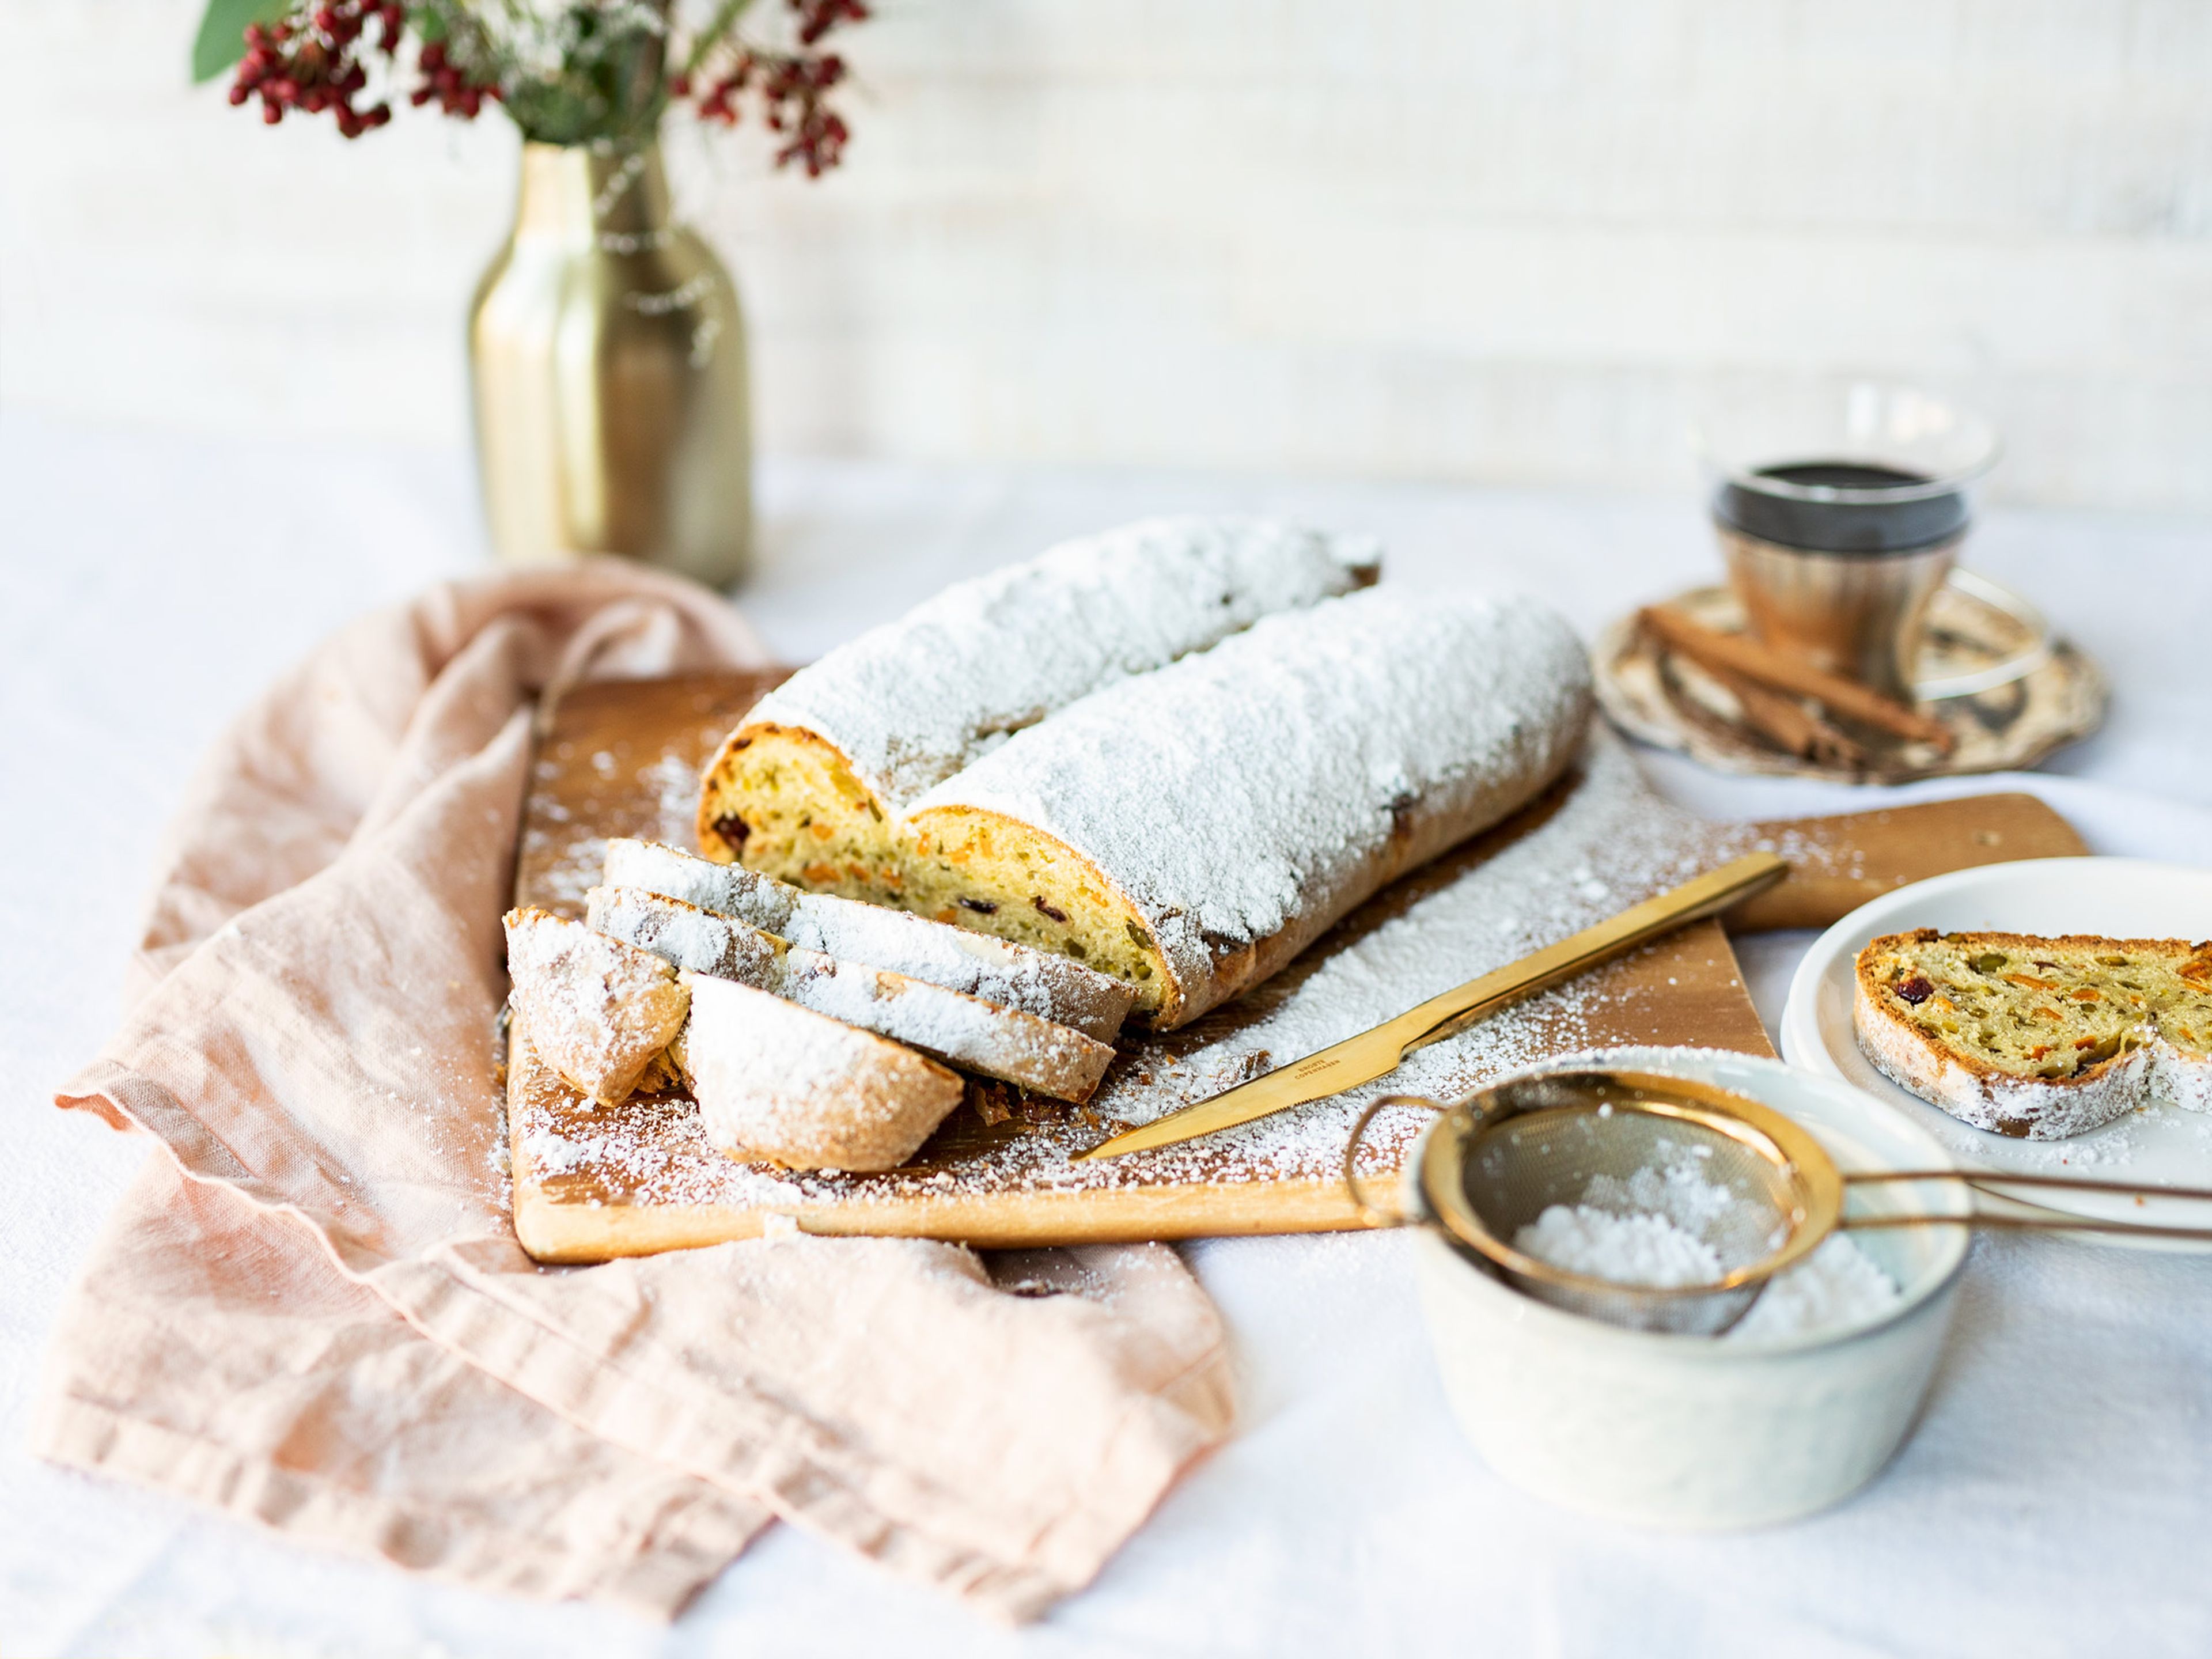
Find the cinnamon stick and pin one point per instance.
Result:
(1737, 654)
(1787, 723)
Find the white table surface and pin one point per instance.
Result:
(2057, 1499)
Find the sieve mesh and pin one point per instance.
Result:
(1611, 1141)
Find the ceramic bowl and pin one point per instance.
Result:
(1697, 1432)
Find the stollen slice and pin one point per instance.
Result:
(1054, 987)
(599, 1010)
(782, 1083)
(2038, 1037)
(1018, 1048)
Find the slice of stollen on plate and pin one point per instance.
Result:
(966, 1031)
(777, 1082)
(599, 1011)
(1054, 987)
(2038, 1037)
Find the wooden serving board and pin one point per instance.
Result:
(621, 758)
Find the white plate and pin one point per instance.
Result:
(2121, 898)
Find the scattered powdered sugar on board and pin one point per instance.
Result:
(567, 866)
(1810, 856)
(1604, 842)
(676, 787)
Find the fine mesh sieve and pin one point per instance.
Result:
(1616, 1141)
(1611, 1141)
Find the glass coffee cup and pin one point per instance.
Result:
(1840, 513)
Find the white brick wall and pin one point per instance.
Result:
(1457, 238)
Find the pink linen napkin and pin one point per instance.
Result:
(314, 1314)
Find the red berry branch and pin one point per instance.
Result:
(444, 82)
(308, 61)
(311, 61)
(791, 86)
(316, 59)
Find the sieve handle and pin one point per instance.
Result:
(1994, 1181)
(2034, 1224)
(2005, 1178)
(1371, 1215)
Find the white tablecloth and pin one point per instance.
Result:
(2057, 1499)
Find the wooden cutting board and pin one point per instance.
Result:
(621, 758)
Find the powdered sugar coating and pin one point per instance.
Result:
(981, 1037)
(1056, 988)
(727, 890)
(2180, 1077)
(1001, 1043)
(774, 1081)
(685, 935)
(599, 1009)
(1282, 776)
(1013, 976)
(912, 702)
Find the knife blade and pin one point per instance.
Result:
(1380, 1050)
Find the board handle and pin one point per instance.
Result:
(1837, 863)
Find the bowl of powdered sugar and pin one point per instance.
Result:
(1796, 1403)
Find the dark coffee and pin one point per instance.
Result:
(1860, 525)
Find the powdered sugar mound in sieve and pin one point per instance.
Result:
(1655, 1228)
(1642, 1249)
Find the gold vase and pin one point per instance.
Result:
(607, 353)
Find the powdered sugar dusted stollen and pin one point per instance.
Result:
(810, 787)
(1053, 988)
(1190, 831)
(600, 1009)
(2038, 1037)
(779, 1082)
(973, 1034)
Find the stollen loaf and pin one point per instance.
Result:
(848, 743)
(1189, 829)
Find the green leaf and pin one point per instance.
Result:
(221, 39)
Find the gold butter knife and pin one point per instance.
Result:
(1372, 1054)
